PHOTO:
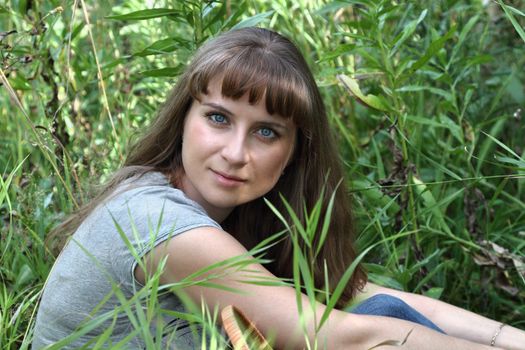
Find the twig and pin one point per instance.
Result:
(40, 143)
(101, 79)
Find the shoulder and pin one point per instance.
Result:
(144, 210)
(151, 197)
(151, 187)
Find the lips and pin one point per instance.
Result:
(229, 176)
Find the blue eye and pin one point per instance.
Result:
(217, 118)
(267, 133)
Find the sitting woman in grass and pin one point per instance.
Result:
(244, 127)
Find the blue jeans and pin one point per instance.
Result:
(390, 306)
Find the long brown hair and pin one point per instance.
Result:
(262, 64)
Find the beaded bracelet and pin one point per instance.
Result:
(493, 341)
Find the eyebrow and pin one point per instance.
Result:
(226, 111)
(217, 107)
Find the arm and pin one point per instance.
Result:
(274, 308)
(455, 321)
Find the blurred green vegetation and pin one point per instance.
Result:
(426, 98)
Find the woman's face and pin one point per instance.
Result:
(232, 151)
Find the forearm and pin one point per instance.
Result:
(468, 325)
(365, 332)
(458, 322)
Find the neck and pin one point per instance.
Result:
(218, 214)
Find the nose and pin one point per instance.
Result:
(235, 150)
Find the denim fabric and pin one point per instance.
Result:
(390, 306)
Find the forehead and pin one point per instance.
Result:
(215, 97)
(283, 89)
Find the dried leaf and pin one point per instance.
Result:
(493, 254)
(369, 100)
(393, 342)
(500, 250)
(520, 266)
(482, 260)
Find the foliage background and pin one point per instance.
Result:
(429, 120)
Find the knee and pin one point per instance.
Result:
(388, 305)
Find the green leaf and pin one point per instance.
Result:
(407, 32)
(306, 273)
(213, 19)
(164, 46)
(424, 121)
(341, 49)
(462, 36)
(434, 292)
(381, 212)
(384, 280)
(327, 221)
(453, 127)
(504, 146)
(297, 223)
(19, 82)
(479, 59)
(278, 214)
(86, 328)
(254, 20)
(25, 275)
(5, 184)
(22, 6)
(441, 167)
(518, 162)
(508, 12)
(114, 63)
(430, 202)
(515, 90)
(341, 285)
(76, 31)
(352, 86)
(516, 11)
(163, 72)
(434, 47)
(337, 5)
(436, 91)
(488, 144)
(146, 14)
(233, 17)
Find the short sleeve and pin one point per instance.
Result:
(143, 218)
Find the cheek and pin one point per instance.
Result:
(192, 131)
(194, 139)
(274, 164)
(190, 148)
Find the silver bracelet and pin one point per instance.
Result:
(493, 341)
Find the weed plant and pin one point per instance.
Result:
(426, 99)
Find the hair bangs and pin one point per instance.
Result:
(260, 74)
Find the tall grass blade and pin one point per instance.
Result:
(508, 12)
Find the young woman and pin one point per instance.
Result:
(244, 123)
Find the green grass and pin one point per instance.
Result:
(429, 121)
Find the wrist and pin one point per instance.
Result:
(496, 334)
(510, 338)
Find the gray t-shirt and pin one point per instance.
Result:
(93, 277)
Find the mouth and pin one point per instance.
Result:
(229, 177)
